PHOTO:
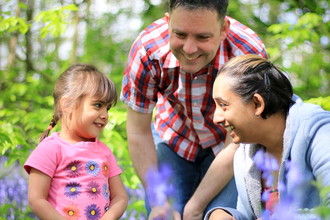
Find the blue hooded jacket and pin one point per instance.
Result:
(306, 145)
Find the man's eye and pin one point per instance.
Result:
(179, 35)
(222, 105)
(203, 37)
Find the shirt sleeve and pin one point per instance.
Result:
(114, 169)
(44, 158)
(139, 85)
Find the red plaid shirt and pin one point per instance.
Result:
(184, 104)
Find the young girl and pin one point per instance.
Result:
(73, 175)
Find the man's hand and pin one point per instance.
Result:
(164, 213)
(192, 211)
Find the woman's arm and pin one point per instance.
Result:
(37, 196)
(118, 199)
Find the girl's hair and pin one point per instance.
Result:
(75, 83)
(251, 74)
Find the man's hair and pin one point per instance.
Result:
(220, 6)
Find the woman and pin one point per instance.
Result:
(255, 102)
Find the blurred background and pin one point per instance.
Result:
(39, 39)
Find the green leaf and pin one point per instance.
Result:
(22, 5)
(71, 7)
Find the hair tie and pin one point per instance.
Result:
(50, 127)
(267, 82)
(270, 63)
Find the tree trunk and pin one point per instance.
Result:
(75, 24)
(28, 37)
(13, 43)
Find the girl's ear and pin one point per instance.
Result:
(259, 104)
(64, 104)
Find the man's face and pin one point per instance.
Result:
(195, 36)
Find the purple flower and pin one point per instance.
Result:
(72, 190)
(93, 190)
(267, 164)
(92, 212)
(93, 168)
(259, 159)
(159, 187)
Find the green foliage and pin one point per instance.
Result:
(322, 210)
(13, 24)
(300, 32)
(324, 102)
(26, 86)
(55, 20)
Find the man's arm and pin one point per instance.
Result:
(141, 146)
(216, 178)
(143, 154)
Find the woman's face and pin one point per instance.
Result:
(232, 113)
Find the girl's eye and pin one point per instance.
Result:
(98, 105)
(108, 108)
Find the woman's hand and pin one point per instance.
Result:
(220, 214)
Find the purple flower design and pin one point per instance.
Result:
(72, 190)
(74, 169)
(92, 212)
(93, 190)
(93, 168)
(105, 191)
(159, 187)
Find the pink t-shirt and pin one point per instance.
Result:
(79, 188)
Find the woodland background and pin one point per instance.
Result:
(39, 39)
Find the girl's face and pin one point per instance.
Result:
(86, 121)
(236, 116)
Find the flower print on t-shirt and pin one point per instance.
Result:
(93, 190)
(105, 168)
(92, 212)
(72, 190)
(71, 212)
(93, 168)
(74, 168)
(105, 191)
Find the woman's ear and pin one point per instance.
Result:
(259, 104)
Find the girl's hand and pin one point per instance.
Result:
(118, 199)
(220, 214)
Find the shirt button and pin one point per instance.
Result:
(195, 103)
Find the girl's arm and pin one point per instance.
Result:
(37, 196)
(118, 199)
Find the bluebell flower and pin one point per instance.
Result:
(259, 159)
(159, 186)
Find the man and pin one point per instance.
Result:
(172, 65)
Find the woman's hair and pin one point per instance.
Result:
(251, 74)
(75, 83)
